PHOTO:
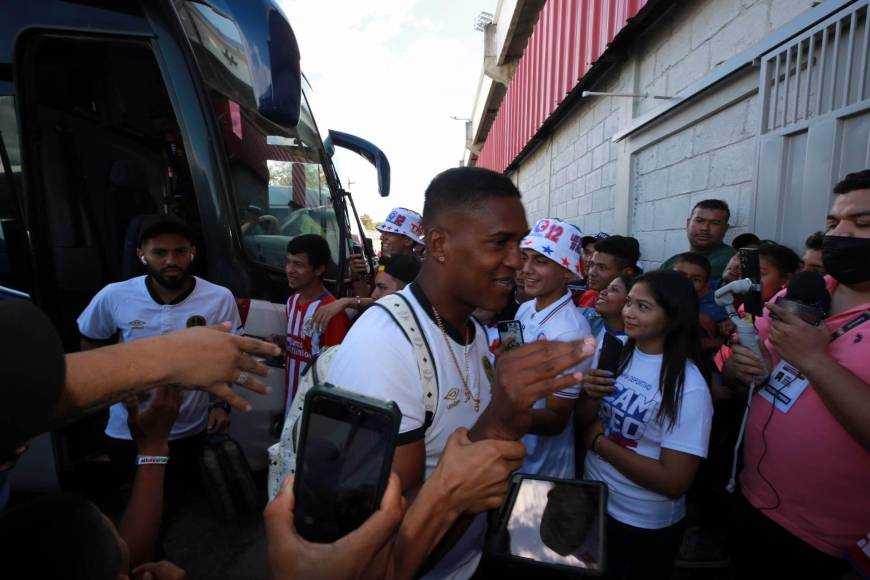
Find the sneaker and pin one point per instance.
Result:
(702, 549)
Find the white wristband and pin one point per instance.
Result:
(152, 460)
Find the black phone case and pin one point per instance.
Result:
(344, 397)
(499, 519)
(611, 353)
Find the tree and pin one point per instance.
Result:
(367, 221)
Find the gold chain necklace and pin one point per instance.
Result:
(467, 376)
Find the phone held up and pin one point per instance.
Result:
(346, 447)
(611, 353)
(510, 328)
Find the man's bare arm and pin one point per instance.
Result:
(204, 358)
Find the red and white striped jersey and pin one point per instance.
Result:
(304, 341)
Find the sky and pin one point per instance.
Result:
(392, 72)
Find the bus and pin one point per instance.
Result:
(113, 110)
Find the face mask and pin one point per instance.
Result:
(847, 259)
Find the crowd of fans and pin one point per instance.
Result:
(660, 431)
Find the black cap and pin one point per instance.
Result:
(157, 224)
(744, 240)
(401, 266)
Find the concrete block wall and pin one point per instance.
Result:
(712, 159)
(582, 163)
(573, 172)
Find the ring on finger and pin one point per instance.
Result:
(243, 378)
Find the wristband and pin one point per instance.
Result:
(152, 460)
(595, 440)
(219, 405)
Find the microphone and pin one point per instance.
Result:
(807, 297)
(724, 297)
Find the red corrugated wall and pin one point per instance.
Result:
(569, 37)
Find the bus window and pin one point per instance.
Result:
(14, 252)
(280, 188)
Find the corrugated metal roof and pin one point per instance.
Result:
(569, 37)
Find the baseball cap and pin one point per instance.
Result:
(557, 240)
(595, 238)
(404, 222)
(401, 266)
(156, 224)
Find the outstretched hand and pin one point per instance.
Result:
(525, 375)
(210, 359)
(473, 477)
(150, 427)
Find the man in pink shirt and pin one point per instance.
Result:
(806, 474)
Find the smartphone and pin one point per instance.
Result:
(511, 328)
(751, 268)
(355, 249)
(346, 446)
(554, 524)
(610, 354)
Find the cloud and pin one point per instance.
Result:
(392, 72)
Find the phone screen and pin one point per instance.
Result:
(557, 522)
(341, 473)
(508, 328)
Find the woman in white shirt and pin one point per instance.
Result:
(648, 429)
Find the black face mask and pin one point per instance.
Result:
(847, 259)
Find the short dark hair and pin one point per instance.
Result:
(312, 245)
(784, 258)
(59, 536)
(696, 259)
(464, 188)
(814, 242)
(625, 249)
(154, 225)
(713, 204)
(853, 181)
(401, 267)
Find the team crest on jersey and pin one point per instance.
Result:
(196, 320)
(308, 327)
(137, 324)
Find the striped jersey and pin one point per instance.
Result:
(304, 341)
(553, 456)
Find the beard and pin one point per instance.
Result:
(171, 281)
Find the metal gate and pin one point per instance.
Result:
(815, 123)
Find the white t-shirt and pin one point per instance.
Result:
(629, 419)
(130, 310)
(553, 456)
(376, 359)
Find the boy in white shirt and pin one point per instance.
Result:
(551, 258)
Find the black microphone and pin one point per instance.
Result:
(807, 297)
(750, 268)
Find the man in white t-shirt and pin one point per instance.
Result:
(474, 221)
(551, 258)
(167, 299)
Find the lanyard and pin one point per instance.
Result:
(857, 321)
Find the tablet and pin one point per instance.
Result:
(553, 523)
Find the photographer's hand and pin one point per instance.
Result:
(364, 553)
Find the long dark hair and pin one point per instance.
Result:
(675, 294)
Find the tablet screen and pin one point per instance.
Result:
(555, 522)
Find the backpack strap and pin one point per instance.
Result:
(401, 311)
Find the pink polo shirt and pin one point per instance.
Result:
(821, 473)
